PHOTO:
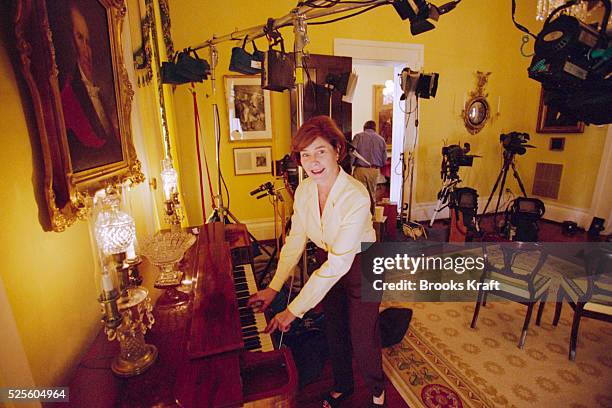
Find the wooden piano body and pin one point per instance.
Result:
(202, 357)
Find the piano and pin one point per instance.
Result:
(212, 352)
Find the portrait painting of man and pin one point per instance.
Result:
(82, 49)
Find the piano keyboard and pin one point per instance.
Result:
(252, 323)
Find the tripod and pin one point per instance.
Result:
(508, 162)
(448, 187)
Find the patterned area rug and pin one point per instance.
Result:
(442, 362)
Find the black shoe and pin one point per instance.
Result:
(335, 402)
(375, 405)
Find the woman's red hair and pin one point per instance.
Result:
(318, 126)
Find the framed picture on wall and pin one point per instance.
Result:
(550, 120)
(248, 108)
(72, 62)
(383, 113)
(252, 160)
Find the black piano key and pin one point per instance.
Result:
(253, 347)
(250, 328)
(241, 287)
(243, 294)
(247, 321)
(252, 341)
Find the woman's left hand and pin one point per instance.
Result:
(282, 321)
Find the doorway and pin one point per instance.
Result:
(376, 62)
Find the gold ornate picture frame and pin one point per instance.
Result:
(71, 59)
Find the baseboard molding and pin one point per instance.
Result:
(261, 228)
(554, 212)
(560, 212)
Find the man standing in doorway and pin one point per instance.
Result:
(373, 148)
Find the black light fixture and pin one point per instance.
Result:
(421, 84)
(421, 14)
(572, 61)
(185, 67)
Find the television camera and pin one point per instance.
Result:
(515, 142)
(573, 61)
(462, 202)
(453, 157)
(287, 168)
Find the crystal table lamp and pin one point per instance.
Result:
(129, 318)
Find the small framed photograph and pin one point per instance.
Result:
(252, 160)
(551, 120)
(248, 108)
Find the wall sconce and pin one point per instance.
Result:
(127, 309)
(174, 213)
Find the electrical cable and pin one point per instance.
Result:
(348, 16)
(520, 26)
(312, 83)
(525, 40)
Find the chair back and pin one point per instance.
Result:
(598, 267)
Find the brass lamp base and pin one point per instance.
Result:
(129, 368)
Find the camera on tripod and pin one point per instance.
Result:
(515, 142)
(453, 157)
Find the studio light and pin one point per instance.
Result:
(420, 84)
(421, 14)
(573, 61)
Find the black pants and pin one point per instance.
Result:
(346, 314)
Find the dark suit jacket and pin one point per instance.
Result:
(90, 145)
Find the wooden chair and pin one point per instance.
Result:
(589, 296)
(516, 283)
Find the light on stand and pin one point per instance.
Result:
(127, 309)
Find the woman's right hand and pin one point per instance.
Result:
(262, 299)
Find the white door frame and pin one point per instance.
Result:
(601, 203)
(396, 55)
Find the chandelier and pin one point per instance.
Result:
(580, 10)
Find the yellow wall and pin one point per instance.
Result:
(48, 276)
(474, 36)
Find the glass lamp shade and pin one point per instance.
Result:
(169, 178)
(115, 230)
